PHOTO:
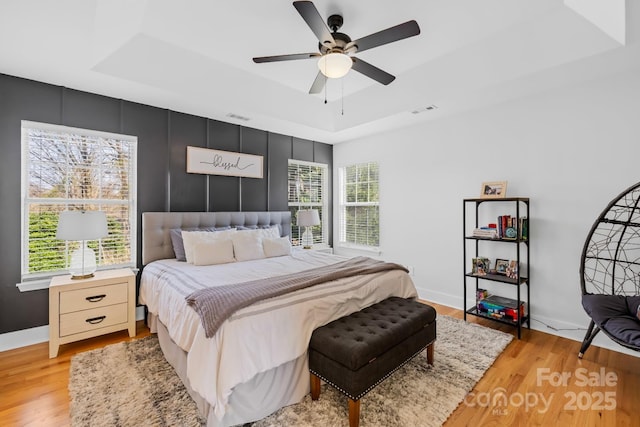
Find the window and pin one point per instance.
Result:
(76, 169)
(359, 223)
(308, 190)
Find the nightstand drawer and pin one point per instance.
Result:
(89, 298)
(89, 320)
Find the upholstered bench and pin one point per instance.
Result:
(357, 352)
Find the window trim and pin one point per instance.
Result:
(342, 204)
(34, 281)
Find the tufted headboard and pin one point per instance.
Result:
(156, 242)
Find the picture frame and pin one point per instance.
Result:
(512, 270)
(480, 266)
(493, 190)
(502, 265)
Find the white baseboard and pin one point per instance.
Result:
(26, 337)
(539, 323)
(23, 338)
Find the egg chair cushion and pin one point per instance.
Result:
(617, 315)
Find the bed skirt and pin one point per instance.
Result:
(251, 401)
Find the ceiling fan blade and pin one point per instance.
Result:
(399, 32)
(372, 72)
(276, 58)
(312, 17)
(318, 83)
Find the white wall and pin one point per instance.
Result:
(571, 151)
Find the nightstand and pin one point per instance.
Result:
(85, 308)
(320, 248)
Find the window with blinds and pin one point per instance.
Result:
(307, 190)
(67, 168)
(359, 222)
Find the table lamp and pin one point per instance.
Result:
(82, 226)
(307, 218)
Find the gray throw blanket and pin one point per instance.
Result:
(217, 304)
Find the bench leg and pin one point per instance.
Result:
(354, 413)
(430, 354)
(315, 387)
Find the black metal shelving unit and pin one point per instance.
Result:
(519, 205)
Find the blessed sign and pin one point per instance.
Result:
(218, 162)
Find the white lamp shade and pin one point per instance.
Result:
(308, 217)
(335, 65)
(82, 225)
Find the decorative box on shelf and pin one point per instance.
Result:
(501, 307)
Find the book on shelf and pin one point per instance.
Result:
(511, 227)
(523, 226)
(486, 232)
(480, 295)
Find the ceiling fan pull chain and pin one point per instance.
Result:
(342, 96)
(325, 88)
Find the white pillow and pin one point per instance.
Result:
(191, 238)
(247, 245)
(270, 233)
(213, 251)
(276, 247)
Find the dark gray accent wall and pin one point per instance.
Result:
(163, 184)
(254, 193)
(187, 191)
(280, 150)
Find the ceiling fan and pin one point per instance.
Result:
(337, 49)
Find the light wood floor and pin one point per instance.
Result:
(33, 388)
(602, 389)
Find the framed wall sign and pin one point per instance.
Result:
(218, 162)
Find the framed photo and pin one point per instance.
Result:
(512, 270)
(502, 265)
(480, 266)
(494, 190)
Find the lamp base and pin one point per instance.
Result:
(83, 262)
(81, 276)
(307, 238)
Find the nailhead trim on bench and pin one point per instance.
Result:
(377, 382)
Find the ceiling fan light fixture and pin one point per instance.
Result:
(335, 65)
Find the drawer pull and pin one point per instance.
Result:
(96, 298)
(95, 320)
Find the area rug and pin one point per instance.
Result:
(131, 384)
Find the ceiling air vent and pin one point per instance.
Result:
(422, 110)
(238, 117)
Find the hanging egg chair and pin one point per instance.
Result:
(610, 272)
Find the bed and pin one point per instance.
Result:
(256, 361)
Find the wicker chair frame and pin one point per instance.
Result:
(610, 262)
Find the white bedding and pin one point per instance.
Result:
(265, 335)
